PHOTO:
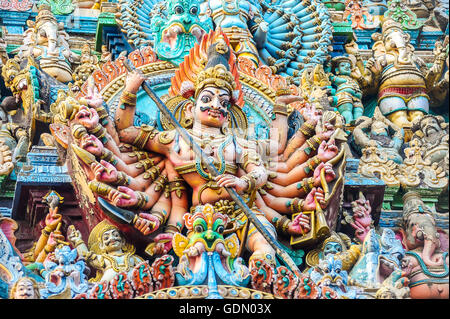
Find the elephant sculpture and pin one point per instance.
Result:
(400, 77)
(46, 42)
(380, 256)
(425, 263)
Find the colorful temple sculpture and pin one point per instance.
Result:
(171, 149)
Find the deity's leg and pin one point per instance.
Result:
(413, 115)
(417, 107)
(258, 245)
(399, 118)
(346, 111)
(357, 112)
(395, 109)
(248, 50)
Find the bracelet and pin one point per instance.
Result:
(160, 182)
(100, 132)
(307, 184)
(313, 143)
(292, 205)
(285, 91)
(311, 164)
(78, 131)
(145, 163)
(78, 243)
(146, 132)
(108, 156)
(140, 155)
(46, 231)
(122, 179)
(160, 217)
(163, 215)
(250, 182)
(282, 224)
(152, 173)
(296, 206)
(102, 114)
(307, 129)
(178, 185)
(142, 200)
(127, 98)
(173, 229)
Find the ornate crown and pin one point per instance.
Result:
(217, 70)
(389, 24)
(45, 14)
(413, 204)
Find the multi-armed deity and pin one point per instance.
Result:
(400, 76)
(223, 151)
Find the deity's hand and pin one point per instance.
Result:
(371, 65)
(94, 98)
(325, 131)
(52, 220)
(310, 204)
(163, 244)
(88, 117)
(362, 208)
(311, 114)
(327, 151)
(146, 223)
(73, 235)
(92, 144)
(351, 48)
(227, 180)
(300, 225)
(123, 197)
(330, 175)
(104, 172)
(54, 238)
(134, 81)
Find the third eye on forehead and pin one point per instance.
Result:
(220, 92)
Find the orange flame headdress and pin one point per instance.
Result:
(211, 62)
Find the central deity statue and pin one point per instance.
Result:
(169, 179)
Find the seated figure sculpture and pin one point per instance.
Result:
(431, 134)
(107, 251)
(381, 133)
(25, 288)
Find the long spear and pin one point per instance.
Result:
(214, 172)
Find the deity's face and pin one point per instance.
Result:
(112, 240)
(24, 290)
(332, 248)
(430, 126)
(379, 128)
(47, 33)
(211, 108)
(344, 68)
(395, 39)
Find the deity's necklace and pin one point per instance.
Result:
(115, 265)
(220, 155)
(230, 6)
